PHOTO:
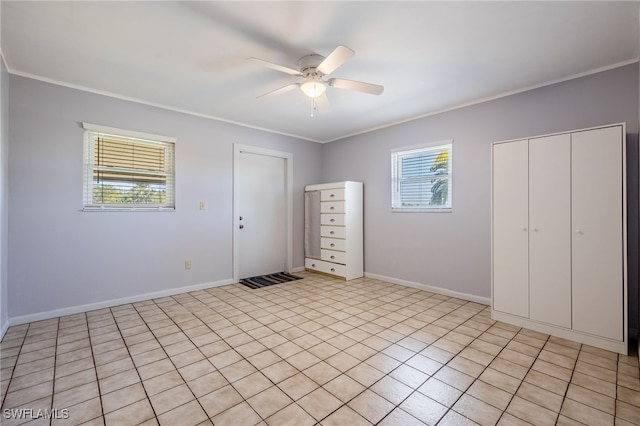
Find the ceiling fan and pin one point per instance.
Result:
(314, 68)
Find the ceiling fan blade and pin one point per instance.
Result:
(280, 90)
(277, 67)
(358, 86)
(339, 56)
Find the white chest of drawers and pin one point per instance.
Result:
(334, 229)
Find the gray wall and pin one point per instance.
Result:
(452, 250)
(4, 193)
(61, 257)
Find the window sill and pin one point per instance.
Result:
(128, 209)
(420, 210)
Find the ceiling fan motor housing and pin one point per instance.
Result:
(309, 65)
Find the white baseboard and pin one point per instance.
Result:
(565, 333)
(23, 319)
(4, 329)
(439, 290)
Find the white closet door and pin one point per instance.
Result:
(597, 243)
(550, 230)
(510, 228)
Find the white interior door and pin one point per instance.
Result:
(261, 222)
(510, 228)
(550, 229)
(597, 244)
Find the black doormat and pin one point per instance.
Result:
(267, 280)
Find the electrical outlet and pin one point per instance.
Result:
(187, 264)
(201, 205)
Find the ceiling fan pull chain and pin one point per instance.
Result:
(313, 107)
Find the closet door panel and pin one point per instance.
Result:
(597, 242)
(550, 230)
(510, 223)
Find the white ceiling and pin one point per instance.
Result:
(429, 56)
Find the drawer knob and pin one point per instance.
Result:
(332, 195)
(333, 269)
(313, 265)
(333, 257)
(332, 220)
(332, 245)
(332, 208)
(332, 232)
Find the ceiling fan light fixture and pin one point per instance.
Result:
(313, 88)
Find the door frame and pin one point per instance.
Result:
(288, 166)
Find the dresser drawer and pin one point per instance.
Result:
(326, 267)
(334, 256)
(332, 194)
(333, 231)
(332, 207)
(332, 219)
(333, 244)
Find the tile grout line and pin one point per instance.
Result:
(115, 321)
(236, 308)
(15, 365)
(243, 358)
(462, 393)
(55, 368)
(205, 357)
(513, 395)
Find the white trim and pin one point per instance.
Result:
(4, 329)
(413, 149)
(154, 104)
(565, 333)
(383, 126)
(603, 126)
(491, 98)
(4, 60)
(23, 319)
(288, 157)
(298, 269)
(397, 154)
(129, 133)
(464, 296)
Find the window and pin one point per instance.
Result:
(421, 177)
(127, 170)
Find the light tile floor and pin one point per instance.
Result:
(314, 351)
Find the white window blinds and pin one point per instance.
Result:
(126, 172)
(421, 178)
